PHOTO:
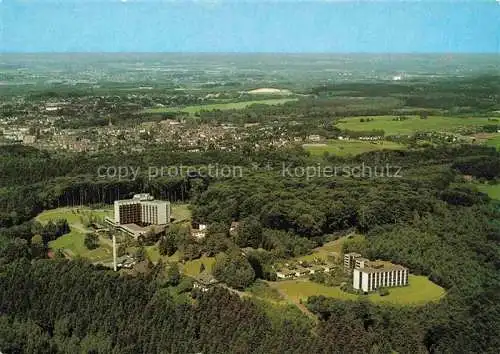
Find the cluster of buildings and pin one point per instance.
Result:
(199, 137)
(302, 270)
(140, 214)
(371, 275)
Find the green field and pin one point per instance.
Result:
(323, 252)
(192, 268)
(493, 190)
(262, 290)
(332, 248)
(72, 243)
(495, 141)
(350, 147)
(221, 106)
(181, 212)
(419, 291)
(411, 125)
(71, 214)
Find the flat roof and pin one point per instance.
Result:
(139, 201)
(155, 202)
(138, 230)
(127, 201)
(352, 254)
(380, 266)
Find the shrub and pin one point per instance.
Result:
(91, 241)
(383, 291)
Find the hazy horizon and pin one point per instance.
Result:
(261, 27)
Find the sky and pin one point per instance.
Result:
(290, 26)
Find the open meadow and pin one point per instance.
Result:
(350, 147)
(411, 124)
(221, 106)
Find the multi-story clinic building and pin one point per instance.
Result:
(142, 209)
(370, 275)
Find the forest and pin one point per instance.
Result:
(428, 220)
(431, 218)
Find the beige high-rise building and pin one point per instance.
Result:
(350, 260)
(142, 209)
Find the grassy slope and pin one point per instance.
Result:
(262, 290)
(324, 251)
(493, 190)
(419, 291)
(329, 248)
(221, 106)
(180, 212)
(192, 268)
(411, 125)
(73, 243)
(67, 213)
(495, 141)
(351, 147)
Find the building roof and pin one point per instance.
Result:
(353, 254)
(380, 266)
(127, 201)
(137, 230)
(141, 201)
(159, 202)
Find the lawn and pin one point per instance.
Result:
(262, 290)
(181, 212)
(73, 243)
(301, 289)
(72, 215)
(410, 125)
(328, 249)
(192, 268)
(493, 190)
(154, 255)
(419, 291)
(350, 147)
(221, 106)
(495, 141)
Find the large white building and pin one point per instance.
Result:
(141, 209)
(371, 275)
